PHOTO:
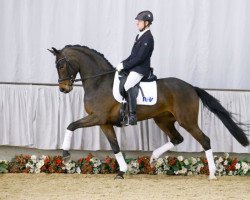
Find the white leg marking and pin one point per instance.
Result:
(211, 165)
(121, 161)
(67, 140)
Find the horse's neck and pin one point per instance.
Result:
(103, 84)
(94, 65)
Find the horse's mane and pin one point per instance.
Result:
(79, 47)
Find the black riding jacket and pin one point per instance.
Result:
(139, 60)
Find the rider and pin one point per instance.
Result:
(138, 63)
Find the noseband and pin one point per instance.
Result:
(70, 76)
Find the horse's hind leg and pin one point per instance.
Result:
(166, 124)
(205, 143)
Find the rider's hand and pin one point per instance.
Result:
(119, 67)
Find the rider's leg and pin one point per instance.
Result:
(132, 80)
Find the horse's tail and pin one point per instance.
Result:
(226, 117)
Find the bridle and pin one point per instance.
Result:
(71, 76)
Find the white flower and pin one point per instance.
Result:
(41, 162)
(133, 167)
(193, 160)
(226, 155)
(237, 166)
(220, 169)
(176, 172)
(159, 162)
(225, 162)
(27, 165)
(166, 167)
(220, 159)
(39, 165)
(166, 157)
(33, 158)
(244, 165)
(189, 173)
(180, 158)
(217, 162)
(183, 170)
(95, 161)
(78, 170)
(186, 162)
(230, 173)
(43, 157)
(37, 170)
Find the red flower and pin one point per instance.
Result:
(87, 159)
(51, 170)
(205, 161)
(108, 159)
(204, 170)
(46, 161)
(43, 169)
(172, 162)
(27, 156)
(58, 162)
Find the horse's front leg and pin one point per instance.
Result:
(88, 121)
(111, 136)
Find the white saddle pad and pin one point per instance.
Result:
(149, 89)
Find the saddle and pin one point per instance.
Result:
(123, 77)
(123, 118)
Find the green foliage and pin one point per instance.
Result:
(3, 167)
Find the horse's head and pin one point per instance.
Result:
(66, 70)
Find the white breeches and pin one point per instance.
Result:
(132, 80)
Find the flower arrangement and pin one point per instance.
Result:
(89, 165)
(225, 165)
(144, 165)
(18, 165)
(3, 166)
(109, 166)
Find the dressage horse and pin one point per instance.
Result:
(177, 101)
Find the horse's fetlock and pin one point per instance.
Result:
(178, 140)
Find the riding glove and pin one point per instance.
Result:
(119, 67)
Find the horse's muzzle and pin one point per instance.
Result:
(65, 88)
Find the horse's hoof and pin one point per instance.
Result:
(212, 177)
(153, 161)
(65, 155)
(120, 175)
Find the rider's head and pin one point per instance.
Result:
(144, 20)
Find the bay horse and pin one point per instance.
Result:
(177, 101)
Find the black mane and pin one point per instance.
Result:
(93, 50)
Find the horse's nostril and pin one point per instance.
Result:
(61, 89)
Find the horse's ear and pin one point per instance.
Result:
(54, 51)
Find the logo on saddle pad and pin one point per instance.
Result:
(149, 96)
(147, 99)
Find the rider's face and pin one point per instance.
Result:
(140, 24)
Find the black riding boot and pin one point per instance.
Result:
(131, 99)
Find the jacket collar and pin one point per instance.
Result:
(144, 34)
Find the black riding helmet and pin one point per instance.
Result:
(145, 16)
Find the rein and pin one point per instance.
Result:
(94, 76)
